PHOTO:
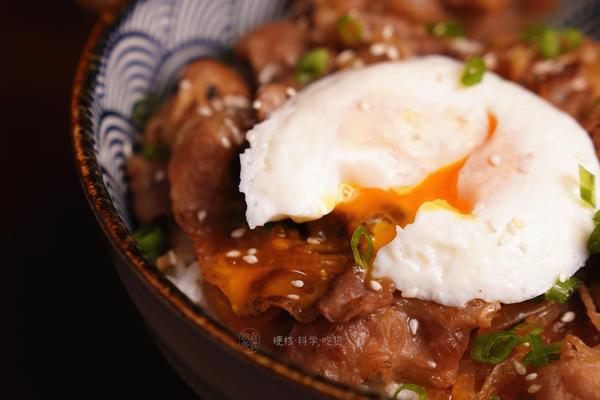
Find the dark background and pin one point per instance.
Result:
(72, 330)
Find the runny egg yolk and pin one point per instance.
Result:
(383, 209)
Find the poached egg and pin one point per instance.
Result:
(484, 179)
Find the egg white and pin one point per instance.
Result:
(392, 124)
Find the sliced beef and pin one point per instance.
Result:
(349, 296)
(273, 48)
(149, 188)
(410, 340)
(576, 376)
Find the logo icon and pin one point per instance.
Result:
(249, 340)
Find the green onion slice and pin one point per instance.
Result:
(155, 152)
(494, 397)
(495, 347)
(143, 109)
(561, 291)
(587, 187)
(541, 355)
(594, 240)
(151, 239)
(571, 38)
(312, 65)
(349, 29)
(447, 29)
(418, 389)
(549, 44)
(474, 70)
(362, 260)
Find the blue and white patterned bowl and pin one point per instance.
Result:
(142, 50)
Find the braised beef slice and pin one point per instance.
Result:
(387, 344)
(575, 376)
(349, 297)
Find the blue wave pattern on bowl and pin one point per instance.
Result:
(145, 53)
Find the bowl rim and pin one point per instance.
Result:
(122, 240)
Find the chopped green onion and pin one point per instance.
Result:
(155, 152)
(312, 65)
(151, 240)
(596, 218)
(587, 187)
(494, 397)
(572, 38)
(417, 389)
(447, 29)
(549, 44)
(474, 70)
(593, 243)
(349, 29)
(561, 291)
(541, 355)
(362, 260)
(143, 109)
(533, 33)
(495, 347)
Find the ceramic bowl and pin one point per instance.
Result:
(141, 50)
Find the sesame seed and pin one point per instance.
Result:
(201, 215)
(376, 286)
(233, 253)
(413, 325)
(225, 142)
(204, 111)
(523, 247)
(530, 377)
(495, 160)
(159, 176)
(250, 259)
(172, 257)
(392, 53)
(518, 223)
(185, 84)
(345, 56)
(578, 84)
(297, 283)
(503, 238)
(534, 388)
(388, 31)
(238, 233)
(526, 344)
(293, 296)
(378, 49)
(512, 229)
(290, 91)
(234, 101)
(364, 106)
(407, 394)
(562, 277)
(431, 364)
(358, 63)
(252, 251)
(391, 388)
(312, 240)
(567, 317)
(267, 74)
(491, 60)
(519, 367)
(492, 225)
(257, 104)
(229, 124)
